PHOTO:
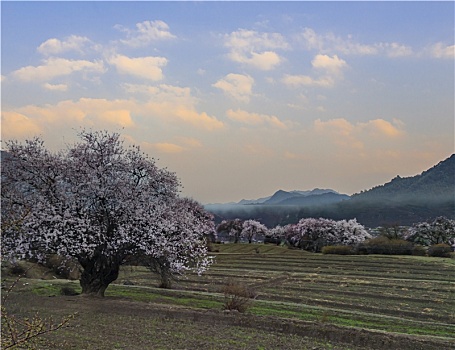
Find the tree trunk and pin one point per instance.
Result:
(99, 271)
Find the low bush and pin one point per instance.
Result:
(237, 296)
(17, 269)
(440, 250)
(386, 246)
(338, 249)
(419, 250)
(70, 291)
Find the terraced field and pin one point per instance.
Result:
(401, 294)
(382, 302)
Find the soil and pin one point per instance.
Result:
(118, 323)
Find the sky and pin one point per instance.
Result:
(239, 99)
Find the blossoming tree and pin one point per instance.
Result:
(312, 234)
(232, 227)
(97, 202)
(440, 230)
(251, 228)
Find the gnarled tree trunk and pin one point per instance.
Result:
(98, 272)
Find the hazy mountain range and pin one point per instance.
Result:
(403, 200)
(281, 197)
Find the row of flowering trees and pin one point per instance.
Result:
(312, 234)
(309, 234)
(98, 202)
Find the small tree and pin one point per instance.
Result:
(313, 234)
(439, 231)
(391, 231)
(95, 202)
(251, 228)
(232, 227)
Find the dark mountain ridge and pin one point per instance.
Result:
(433, 184)
(401, 201)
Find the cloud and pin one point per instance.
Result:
(16, 125)
(200, 120)
(255, 49)
(142, 67)
(86, 111)
(330, 64)
(173, 103)
(185, 144)
(330, 67)
(264, 61)
(238, 86)
(395, 49)
(72, 43)
(190, 142)
(121, 117)
(55, 87)
(167, 147)
(357, 135)
(254, 119)
(145, 33)
(56, 67)
(439, 50)
(330, 43)
(381, 126)
(378, 127)
(298, 80)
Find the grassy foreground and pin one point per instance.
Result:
(304, 301)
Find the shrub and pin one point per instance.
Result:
(419, 250)
(384, 245)
(70, 291)
(237, 296)
(440, 250)
(17, 270)
(338, 249)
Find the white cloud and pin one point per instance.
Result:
(142, 67)
(145, 33)
(439, 50)
(55, 87)
(395, 49)
(331, 68)
(330, 43)
(238, 86)
(255, 49)
(72, 43)
(55, 67)
(305, 80)
(330, 64)
(255, 119)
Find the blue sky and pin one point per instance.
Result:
(240, 99)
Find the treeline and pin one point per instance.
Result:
(350, 237)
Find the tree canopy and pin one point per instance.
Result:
(97, 202)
